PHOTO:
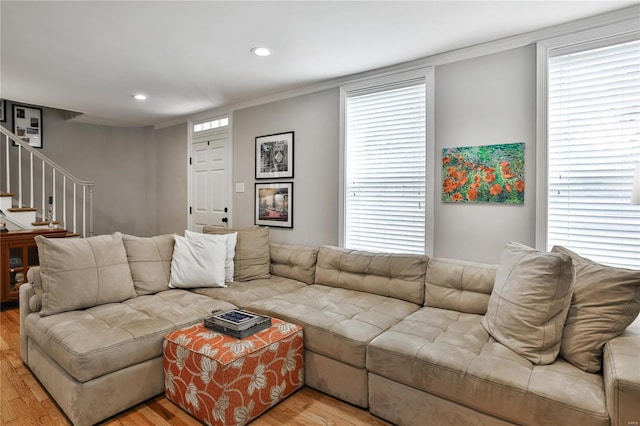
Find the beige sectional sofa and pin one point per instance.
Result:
(401, 335)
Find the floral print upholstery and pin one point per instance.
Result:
(226, 381)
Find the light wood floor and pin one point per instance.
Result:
(26, 402)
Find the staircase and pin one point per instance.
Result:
(35, 192)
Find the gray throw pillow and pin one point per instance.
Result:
(529, 302)
(79, 273)
(253, 259)
(606, 300)
(150, 262)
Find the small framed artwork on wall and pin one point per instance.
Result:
(3, 110)
(274, 204)
(274, 156)
(27, 124)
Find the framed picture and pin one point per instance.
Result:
(27, 124)
(3, 110)
(274, 204)
(483, 174)
(274, 156)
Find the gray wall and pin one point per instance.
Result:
(484, 101)
(115, 159)
(481, 101)
(171, 179)
(314, 119)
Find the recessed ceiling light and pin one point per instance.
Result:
(261, 51)
(140, 97)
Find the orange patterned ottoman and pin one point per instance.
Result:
(226, 381)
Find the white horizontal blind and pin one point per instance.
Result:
(593, 145)
(385, 168)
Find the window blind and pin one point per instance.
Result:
(593, 145)
(385, 172)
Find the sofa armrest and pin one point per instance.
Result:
(621, 370)
(26, 291)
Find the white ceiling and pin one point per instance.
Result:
(91, 56)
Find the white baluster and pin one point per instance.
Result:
(44, 190)
(19, 176)
(31, 180)
(75, 209)
(84, 211)
(64, 200)
(8, 163)
(90, 210)
(53, 192)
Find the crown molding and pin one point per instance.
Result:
(174, 122)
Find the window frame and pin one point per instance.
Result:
(215, 126)
(372, 83)
(583, 40)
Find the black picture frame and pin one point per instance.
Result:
(27, 124)
(274, 204)
(3, 110)
(274, 156)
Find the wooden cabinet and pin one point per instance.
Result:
(18, 253)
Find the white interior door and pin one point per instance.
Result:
(210, 182)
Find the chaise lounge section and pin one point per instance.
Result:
(401, 335)
(356, 297)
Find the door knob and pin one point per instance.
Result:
(225, 220)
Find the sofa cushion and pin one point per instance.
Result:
(337, 322)
(197, 263)
(459, 285)
(450, 355)
(295, 262)
(252, 260)
(606, 300)
(106, 338)
(394, 275)
(149, 261)
(530, 301)
(78, 273)
(243, 293)
(230, 249)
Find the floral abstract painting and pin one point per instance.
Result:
(483, 174)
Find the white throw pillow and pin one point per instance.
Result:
(197, 263)
(230, 241)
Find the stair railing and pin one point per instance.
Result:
(66, 189)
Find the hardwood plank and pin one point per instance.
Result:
(180, 417)
(15, 380)
(150, 414)
(6, 411)
(37, 389)
(8, 391)
(23, 411)
(4, 346)
(160, 410)
(54, 411)
(23, 399)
